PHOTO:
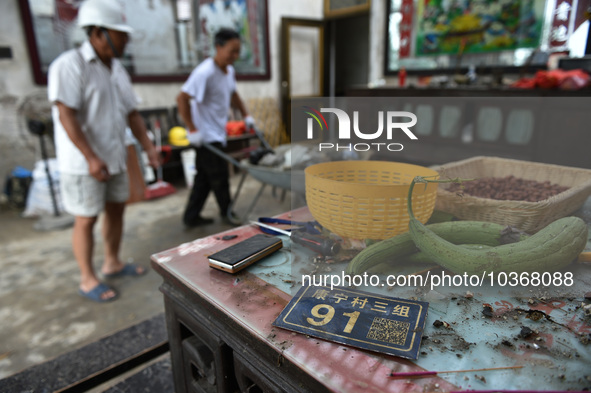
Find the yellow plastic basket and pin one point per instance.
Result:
(367, 199)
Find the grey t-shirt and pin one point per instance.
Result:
(211, 90)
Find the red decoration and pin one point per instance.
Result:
(407, 11)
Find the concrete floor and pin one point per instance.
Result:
(41, 312)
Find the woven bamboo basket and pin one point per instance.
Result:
(367, 199)
(527, 216)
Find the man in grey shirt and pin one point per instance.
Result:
(204, 103)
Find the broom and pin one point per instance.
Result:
(160, 188)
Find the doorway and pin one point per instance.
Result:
(302, 62)
(323, 58)
(349, 36)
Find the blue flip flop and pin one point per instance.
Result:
(129, 269)
(95, 293)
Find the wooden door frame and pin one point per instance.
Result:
(285, 88)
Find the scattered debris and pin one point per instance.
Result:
(469, 295)
(487, 310)
(439, 323)
(507, 343)
(525, 332)
(319, 259)
(535, 315)
(459, 344)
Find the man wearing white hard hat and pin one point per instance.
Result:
(93, 103)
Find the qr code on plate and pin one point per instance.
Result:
(388, 330)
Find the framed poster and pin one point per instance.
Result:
(449, 36)
(249, 19)
(336, 8)
(476, 26)
(170, 38)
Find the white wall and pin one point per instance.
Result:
(277, 9)
(155, 54)
(18, 147)
(377, 32)
(164, 95)
(16, 78)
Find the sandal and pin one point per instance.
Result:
(96, 293)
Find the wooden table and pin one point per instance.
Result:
(222, 339)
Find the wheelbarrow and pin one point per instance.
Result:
(275, 177)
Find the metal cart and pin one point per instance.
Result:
(275, 177)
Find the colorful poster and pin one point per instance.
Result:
(478, 26)
(244, 16)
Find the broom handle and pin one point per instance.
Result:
(158, 147)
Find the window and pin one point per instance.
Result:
(489, 124)
(425, 114)
(449, 121)
(520, 127)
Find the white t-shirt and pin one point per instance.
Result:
(103, 98)
(211, 90)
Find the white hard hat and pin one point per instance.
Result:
(103, 13)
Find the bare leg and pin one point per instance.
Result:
(112, 234)
(83, 246)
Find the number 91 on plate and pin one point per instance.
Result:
(360, 319)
